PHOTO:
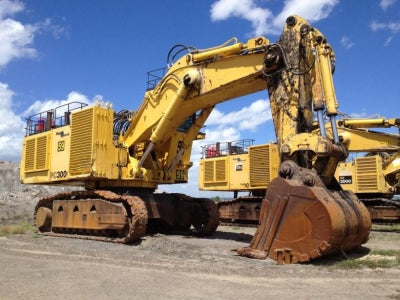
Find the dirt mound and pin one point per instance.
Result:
(17, 201)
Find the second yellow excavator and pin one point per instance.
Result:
(374, 175)
(121, 158)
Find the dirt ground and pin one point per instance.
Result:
(181, 267)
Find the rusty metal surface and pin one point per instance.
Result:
(43, 217)
(383, 210)
(201, 213)
(299, 223)
(384, 214)
(93, 214)
(240, 210)
(179, 213)
(129, 212)
(107, 216)
(206, 222)
(244, 210)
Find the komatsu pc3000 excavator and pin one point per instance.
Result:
(374, 176)
(121, 158)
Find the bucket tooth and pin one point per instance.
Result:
(299, 223)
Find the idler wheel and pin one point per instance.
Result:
(206, 220)
(43, 219)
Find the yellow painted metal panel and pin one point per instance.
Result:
(81, 142)
(366, 172)
(60, 150)
(260, 174)
(209, 171)
(238, 171)
(30, 154)
(41, 152)
(220, 170)
(35, 158)
(104, 155)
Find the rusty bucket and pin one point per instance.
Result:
(299, 223)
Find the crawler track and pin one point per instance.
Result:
(107, 216)
(200, 214)
(383, 211)
(136, 222)
(242, 210)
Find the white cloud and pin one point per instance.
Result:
(221, 134)
(262, 19)
(394, 27)
(384, 4)
(48, 26)
(245, 9)
(248, 118)
(16, 39)
(46, 105)
(388, 41)
(362, 114)
(346, 42)
(9, 8)
(11, 126)
(312, 10)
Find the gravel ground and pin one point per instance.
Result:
(181, 267)
(161, 266)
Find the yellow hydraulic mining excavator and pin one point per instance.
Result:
(120, 158)
(374, 175)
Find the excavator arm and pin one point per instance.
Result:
(305, 214)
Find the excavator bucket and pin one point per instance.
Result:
(299, 223)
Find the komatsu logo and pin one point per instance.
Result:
(62, 134)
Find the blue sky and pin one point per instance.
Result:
(52, 52)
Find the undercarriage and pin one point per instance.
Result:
(123, 218)
(246, 210)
